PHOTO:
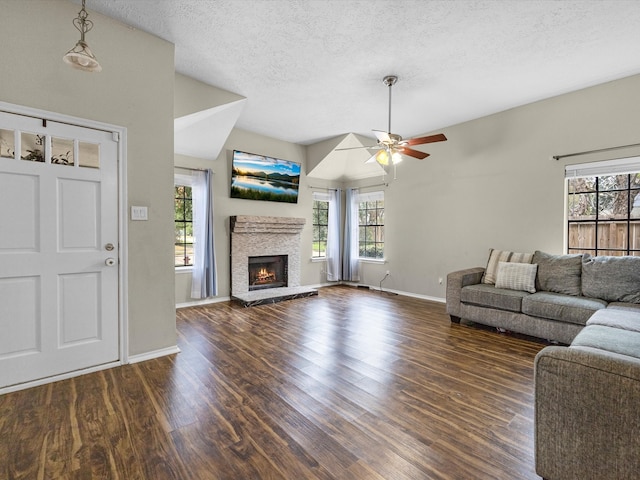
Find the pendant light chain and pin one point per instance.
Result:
(82, 22)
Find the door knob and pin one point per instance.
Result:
(110, 262)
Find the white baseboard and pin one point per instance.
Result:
(321, 285)
(206, 301)
(397, 292)
(209, 301)
(141, 357)
(415, 295)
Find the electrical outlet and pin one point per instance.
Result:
(440, 280)
(388, 272)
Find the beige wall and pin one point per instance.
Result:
(134, 90)
(494, 184)
(224, 207)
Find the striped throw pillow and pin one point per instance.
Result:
(496, 256)
(517, 276)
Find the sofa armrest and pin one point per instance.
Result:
(586, 414)
(455, 282)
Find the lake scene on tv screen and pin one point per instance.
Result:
(257, 177)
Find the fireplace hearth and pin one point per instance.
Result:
(268, 272)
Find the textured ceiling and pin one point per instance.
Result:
(312, 69)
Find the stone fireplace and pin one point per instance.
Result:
(265, 259)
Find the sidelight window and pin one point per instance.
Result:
(183, 226)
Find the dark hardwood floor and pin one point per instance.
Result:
(351, 384)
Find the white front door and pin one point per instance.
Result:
(58, 249)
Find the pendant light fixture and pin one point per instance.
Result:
(80, 56)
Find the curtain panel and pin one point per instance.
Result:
(334, 237)
(204, 281)
(350, 265)
(334, 261)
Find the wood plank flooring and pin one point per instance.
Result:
(351, 384)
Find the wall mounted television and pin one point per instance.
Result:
(257, 177)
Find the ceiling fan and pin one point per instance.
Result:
(392, 147)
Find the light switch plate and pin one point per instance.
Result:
(139, 213)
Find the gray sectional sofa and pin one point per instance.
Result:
(587, 394)
(587, 401)
(560, 293)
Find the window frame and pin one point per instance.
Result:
(377, 198)
(627, 223)
(317, 227)
(179, 182)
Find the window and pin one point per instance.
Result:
(603, 213)
(183, 226)
(371, 225)
(320, 227)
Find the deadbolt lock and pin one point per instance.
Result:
(109, 247)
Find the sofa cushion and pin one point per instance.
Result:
(613, 340)
(559, 273)
(624, 306)
(517, 276)
(497, 256)
(617, 318)
(614, 279)
(490, 296)
(565, 308)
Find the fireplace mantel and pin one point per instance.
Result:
(255, 224)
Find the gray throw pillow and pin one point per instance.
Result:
(559, 273)
(614, 279)
(517, 276)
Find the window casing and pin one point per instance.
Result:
(184, 253)
(371, 225)
(603, 214)
(320, 228)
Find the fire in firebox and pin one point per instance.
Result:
(268, 272)
(264, 276)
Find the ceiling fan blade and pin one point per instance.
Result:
(413, 153)
(382, 136)
(422, 140)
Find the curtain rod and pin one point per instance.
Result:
(383, 184)
(357, 188)
(558, 157)
(194, 169)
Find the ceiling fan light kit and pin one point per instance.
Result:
(382, 157)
